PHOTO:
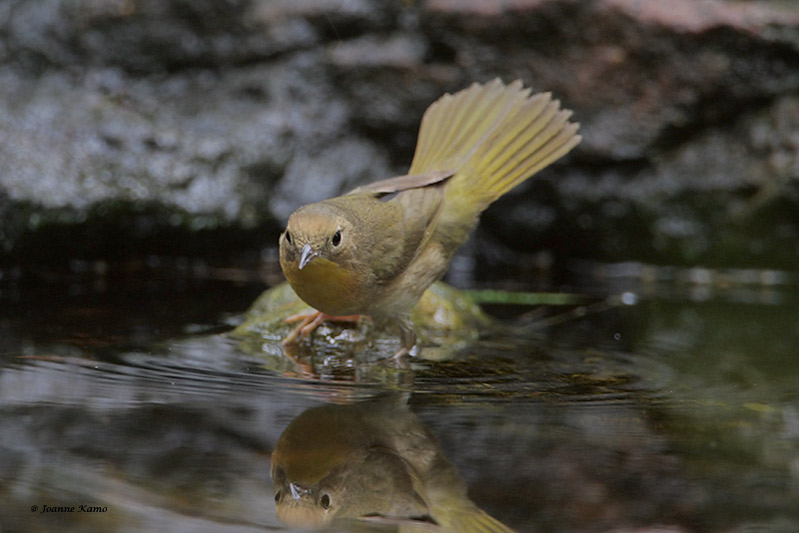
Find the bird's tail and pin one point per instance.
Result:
(493, 137)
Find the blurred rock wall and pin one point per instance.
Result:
(187, 126)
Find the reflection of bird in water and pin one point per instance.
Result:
(371, 459)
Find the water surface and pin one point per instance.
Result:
(678, 409)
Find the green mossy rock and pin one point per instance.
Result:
(446, 320)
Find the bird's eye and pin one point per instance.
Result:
(278, 494)
(324, 501)
(288, 236)
(336, 238)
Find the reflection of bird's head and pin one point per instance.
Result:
(330, 464)
(308, 451)
(301, 506)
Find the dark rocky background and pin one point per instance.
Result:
(192, 128)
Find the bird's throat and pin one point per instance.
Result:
(326, 286)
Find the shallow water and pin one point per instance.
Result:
(678, 409)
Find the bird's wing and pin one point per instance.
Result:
(422, 208)
(403, 183)
(401, 224)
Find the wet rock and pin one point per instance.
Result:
(116, 109)
(726, 198)
(445, 319)
(145, 120)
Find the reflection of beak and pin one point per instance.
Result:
(306, 254)
(297, 492)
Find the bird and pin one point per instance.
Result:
(374, 250)
(375, 460)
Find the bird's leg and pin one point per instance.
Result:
(310, 321)
(407, 339)
(307, 323)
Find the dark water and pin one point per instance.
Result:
(678, 410)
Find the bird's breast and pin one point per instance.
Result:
(329, 287)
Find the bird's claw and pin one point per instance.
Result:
(308, 322)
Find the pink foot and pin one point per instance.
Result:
(310, 321)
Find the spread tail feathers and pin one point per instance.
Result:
(493, 137)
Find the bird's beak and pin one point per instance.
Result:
(297, 492)
(306, 254)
